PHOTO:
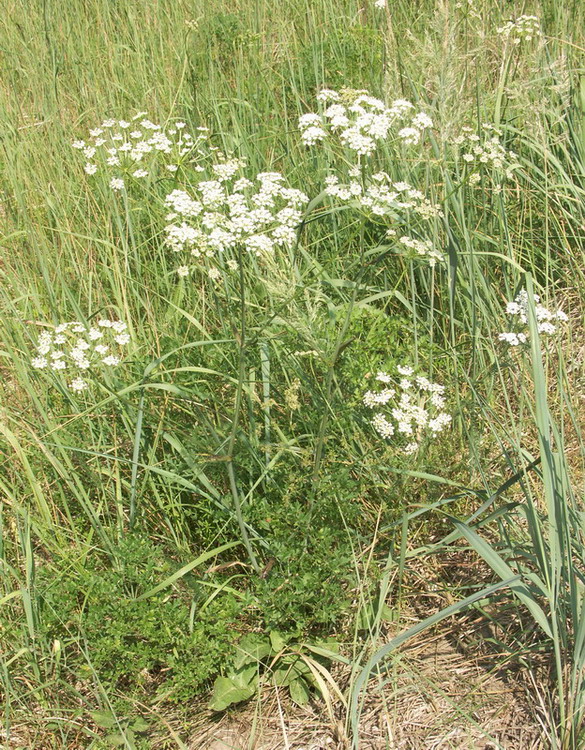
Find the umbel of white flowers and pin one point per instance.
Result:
(546, 320)
(483, 151)
(230, 210)
(410, 409)
(74, 348)
(130, 149)
(360, 121)
(523, 29)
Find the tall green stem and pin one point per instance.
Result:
(241, 340)
(339, 346)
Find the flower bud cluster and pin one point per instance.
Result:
(360, 121)
(74, 348)
(410, 409)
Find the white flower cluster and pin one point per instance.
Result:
(546, 320)
(130, 148)
(523, 29)
(485, 149)
(227, 212)
(382, 197)
(360, 121)
(413, 408)
(75, 348)
(422, 248)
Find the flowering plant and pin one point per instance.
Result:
(74, 348)
(382, 196)
(129, 149)
(484, 149)
(523, 29)
(546, 320)
(409, 409)
(391, 203)
(231, 211)
(360, 121)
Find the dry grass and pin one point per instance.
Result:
(438, 696)
(457, 687)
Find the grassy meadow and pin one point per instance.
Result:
(319, 483)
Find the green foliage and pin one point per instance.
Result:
(275, 658)
(121, 731)
(134, 645)
(207, 419)
(369, 350)
(358, 46)
(306, 588)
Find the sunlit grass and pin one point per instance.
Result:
(237, 415)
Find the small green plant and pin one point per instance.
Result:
(279, 659)
(122, 731)
(172, 642)
(258, 319)
(306, 588)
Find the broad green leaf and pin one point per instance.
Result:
(115, 740)
(252, 649)
(388, 614)
(140, 725)
(289, 669)
(299, 692)
(103, 719)
(226, 692)
(245, 675)
(283, 676)
(277, 640)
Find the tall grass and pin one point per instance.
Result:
(196, 443)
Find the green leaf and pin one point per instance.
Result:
(388, 614)
(226, 692)
(122, 740)
(290, 668)
(252, 649)
(140, 725)
(117, 740)
(103, 719)
(283, 676)
(368, 614)
(365, 617)
(328, 649)
(277, 640)
(299, 692)
(245, 675)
